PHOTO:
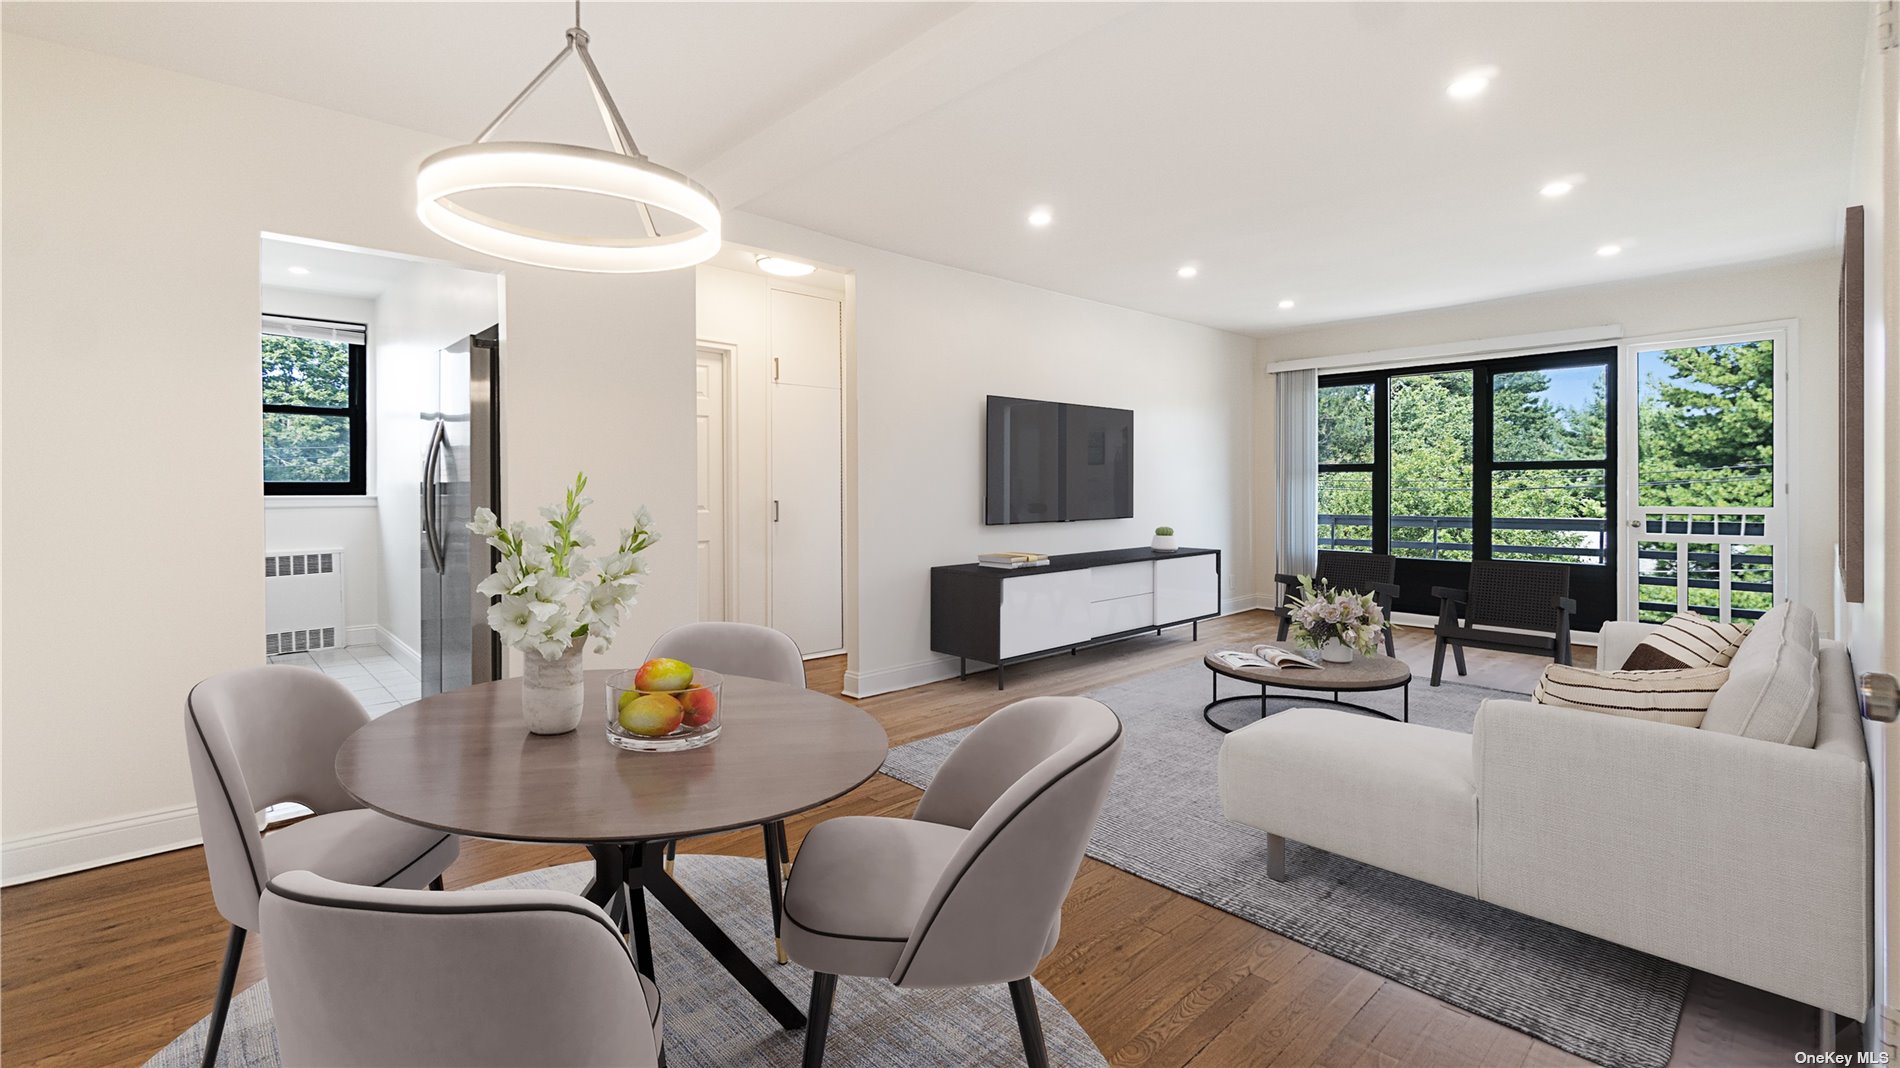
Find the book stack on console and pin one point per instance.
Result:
(1010, 561)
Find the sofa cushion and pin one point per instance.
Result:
(1678, 697)
(1773, 687)
(1686, 641)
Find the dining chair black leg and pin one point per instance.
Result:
(436, 883)
(672, 854)
(1438, 661)
(227, 979)
(1458, 654)
(824, 987)
(1022, 994)
(774, 885)
(784, 851)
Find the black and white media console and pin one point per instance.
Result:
(1002, 616)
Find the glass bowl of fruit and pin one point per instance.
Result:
(662, 706)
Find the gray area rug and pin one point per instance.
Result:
(1162, 822)
(712, 1023)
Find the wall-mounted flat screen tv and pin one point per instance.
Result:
(1058, 463)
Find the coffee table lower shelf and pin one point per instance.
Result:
(1299, 699)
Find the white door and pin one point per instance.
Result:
(1704, 500)
(709, 394)
(807, 516)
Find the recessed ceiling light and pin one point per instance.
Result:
(783, 267)
(1609, 250)
(1188, 271)
(1557, 188)
(299, 270)
(1285, 304)
(1471, 83)
(1041, 217)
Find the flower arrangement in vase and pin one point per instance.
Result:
(553, 601)
(1338, 623)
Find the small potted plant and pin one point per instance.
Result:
(1164, 540)
(1338, 623)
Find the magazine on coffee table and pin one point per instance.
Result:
(1265, 656)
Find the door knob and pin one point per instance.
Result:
(1879, 696)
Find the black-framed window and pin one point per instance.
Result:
(315, 432)
(1509, 459)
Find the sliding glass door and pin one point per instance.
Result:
(1507, 459)
(1706, 519)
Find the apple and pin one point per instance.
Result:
(649, 715)
(701, 704)
(663, 675)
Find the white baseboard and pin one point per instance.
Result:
(42, 856)
(902, 677)
(1244, 602)
(399, 651)
(363, 635)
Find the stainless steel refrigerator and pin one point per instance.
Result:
(460, 473)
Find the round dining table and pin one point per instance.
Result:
(464, 762)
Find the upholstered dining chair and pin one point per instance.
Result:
(969, 890)
(1358, 572)
(365, 976)
(266, 735)
(1504, 603)
(756, 652)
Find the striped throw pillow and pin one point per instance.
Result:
(1680, 697)
(1687, 641)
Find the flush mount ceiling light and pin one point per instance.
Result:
(1041, 217)
(1285, 304)
(1471, 83)
(1557, 188)
(783, 267)
(1188, 271)
(1609, 250)
(298, 270)
(624, 174)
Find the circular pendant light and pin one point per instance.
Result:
(623, 174)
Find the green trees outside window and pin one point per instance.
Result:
(313, 428)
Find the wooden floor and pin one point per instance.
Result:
(107, 966)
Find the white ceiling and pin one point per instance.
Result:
(1291, 151)
(333, 269)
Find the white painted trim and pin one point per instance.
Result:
(364, 634)
(399, 651)
(91, 845)
(1244, 602)
(727, 354)
(273, 503)
(1493, 348)
(901, 677)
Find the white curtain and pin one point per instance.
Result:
(1298, 394)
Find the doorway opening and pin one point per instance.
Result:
(379, 376)
(771, 379)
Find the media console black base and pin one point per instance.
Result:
(1003, 616)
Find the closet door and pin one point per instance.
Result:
(807, 567)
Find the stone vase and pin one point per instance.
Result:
(554, 692)
(1336, 652)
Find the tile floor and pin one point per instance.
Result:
(377, 679)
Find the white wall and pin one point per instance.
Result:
(1804, 290)
(302, 523)
(930, 343)
(432, 307)
(120, 215)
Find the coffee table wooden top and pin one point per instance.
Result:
(465, 762)
(1375, 672)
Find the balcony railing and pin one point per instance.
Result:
(1450, 534)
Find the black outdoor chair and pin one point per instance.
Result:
(1505, 593)
(1359, 572)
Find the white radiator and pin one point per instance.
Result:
(303, 601)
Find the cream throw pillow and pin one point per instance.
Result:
(1680, 697)
(1687, 641)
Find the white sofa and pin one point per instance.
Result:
(1745, 858)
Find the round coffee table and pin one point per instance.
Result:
(464, 762)
(1363, 674)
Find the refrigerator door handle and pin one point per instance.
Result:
(430, 516)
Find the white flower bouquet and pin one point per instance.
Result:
(551, 595)
(1319, 617)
